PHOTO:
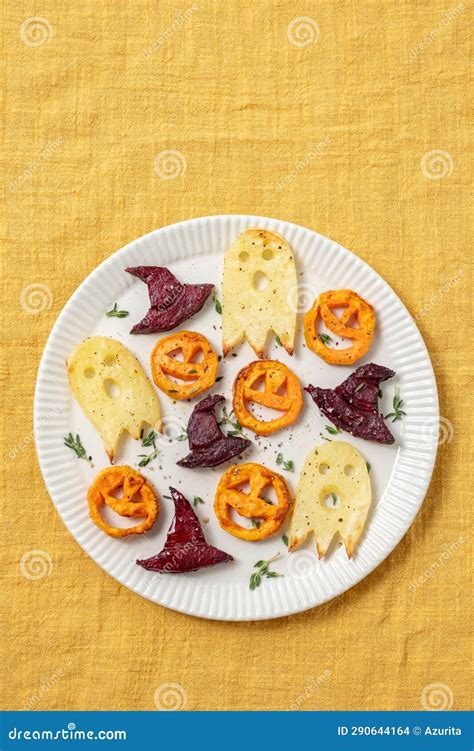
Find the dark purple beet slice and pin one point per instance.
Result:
(186, 548)
(209, 446)
(171, 302)
(353, 405)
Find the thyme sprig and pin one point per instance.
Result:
(263, 570)
(333, 431)
(116, 313)
(325, 338)
(148, 440)
(231, 420)
(145, 459)
(287, 464)
(75, 444)
(217, 305)
(397, 405)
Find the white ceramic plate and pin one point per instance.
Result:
(400, 473)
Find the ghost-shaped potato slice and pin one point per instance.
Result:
(258, 290)
(112, 389)
(333, 495)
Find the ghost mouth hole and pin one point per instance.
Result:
(330, 499)
(111, 388)
(259, 281)
(89, 373)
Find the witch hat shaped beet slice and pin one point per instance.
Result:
(353, 405)
(186, 548)
(171, 302)
(209, 446)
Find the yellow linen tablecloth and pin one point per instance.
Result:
(348, 117)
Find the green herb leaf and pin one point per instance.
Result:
(150, 439)
(116, 313)
(289, 465)
(75, 444)
(145, 459)
(368, 466)
(263, 570)
(279, 459)
(333, 431)
(278, 340)
(197, 500)
(397, 405)
(267, 500)
(231, 420)
(256, 523)
(285, 540)
(325, 338)
(217, 305)
(334, 499)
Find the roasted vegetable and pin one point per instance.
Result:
(186, 548)
(209, 446)
(361, 336)
(353, 406)
(171, 302)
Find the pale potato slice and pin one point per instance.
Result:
(333, 468)
(113, 390)
(258, 287)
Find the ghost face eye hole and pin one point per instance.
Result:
(267, 254)
(89, 373)
(349, 470)
(323, 468)
(109, 360)
(243, 256)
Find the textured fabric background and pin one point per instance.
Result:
(327, 122)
